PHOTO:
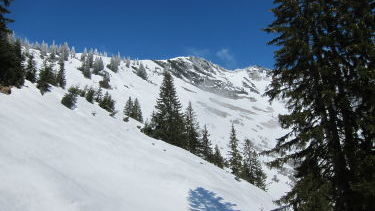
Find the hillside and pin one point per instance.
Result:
(74, 160)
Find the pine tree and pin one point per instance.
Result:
(325, 73)
(98, 95)
(90, 59)
(206, 150)
(235, 158)
(128, 107)
(90, 95)
(141, 72)
(98, 66)
(107, 103)
(252, 169)
(64, 51)
(191, 131)
(167, 121)
(70, 99)
(46, 78)
(31, 69)
(217, 158)
(136, 112)
(105, 82)
(114, 63)
(60, 77)
(85, 68)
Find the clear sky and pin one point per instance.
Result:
(227, 32)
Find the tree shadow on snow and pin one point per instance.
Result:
(201, 199)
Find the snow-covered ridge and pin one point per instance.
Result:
(220, 97)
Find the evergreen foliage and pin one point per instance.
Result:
(90, 95)
(133, 109)
(60, 77)
(206, 151)
(70, 99)
(192, 131)
(252, 168)
(31, 69)
(98, 66)
(325, 72)
(114, 63)
(105, 82)
(217, 158)
(167, 122)
(141, 72)
(107, 103)
(46, 78)
(235, 158)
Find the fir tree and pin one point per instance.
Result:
(105, 82)
(114, 63)
(136, 112)
(107, 103)
(191, 131)
(325, 73)
(70, 99)
(46, 78)
(235, 158)
(217, 158)
(31, 69)
(98, 95)
(60, 77)
(98, 66)
(85, 68)
(141, 72)
(206, 149)
(90, 95)
(167, 121)
(128, 107)
(252, 169)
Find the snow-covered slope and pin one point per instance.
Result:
(52, 158)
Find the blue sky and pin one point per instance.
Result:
(227, 32)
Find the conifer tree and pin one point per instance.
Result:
(31, 69)
(167, 121)
(235, 158)
(98, 95)
(136, 112)
(105, 82)
(107, 103)
(90, 95)
(60, 77)
(217, 158)
(85, 68)
(114, 63)
(46, 78)
(70, 99)
(191, 131)
(141, 72)
(98, 66)
(324, 71)
(252, 169)
(128, 107)
(206, 150)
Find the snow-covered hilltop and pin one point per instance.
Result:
(54, 158)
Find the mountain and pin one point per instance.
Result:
(54, 158)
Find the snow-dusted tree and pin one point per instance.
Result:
(107, 103)
(105, 82)
(217, 158)
(235, 158)
(85, 68)
(127, 62)
(46, 78)
(90, 95)
(141, 72)
(64, 51)
(31, 69)
(114, 63)
(98, 66)
(90, 58)
(136, 112)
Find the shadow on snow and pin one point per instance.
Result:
(201, 199)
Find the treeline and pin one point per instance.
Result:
(182, 129)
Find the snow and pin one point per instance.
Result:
(53, 158)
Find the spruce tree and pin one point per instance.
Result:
(98, 66)
(206, 149)
(46, 78)
(168, 121)
(60, 77)
(191, 131)
(252, 168)
(136, 112)
(107, 103)
(141, 72)
(235, 158)
(90, 95)
(217, 158)
(70, 99)
(128, 107)
(31, 69)
(105, 82)
(114, 63)
(325, 72)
